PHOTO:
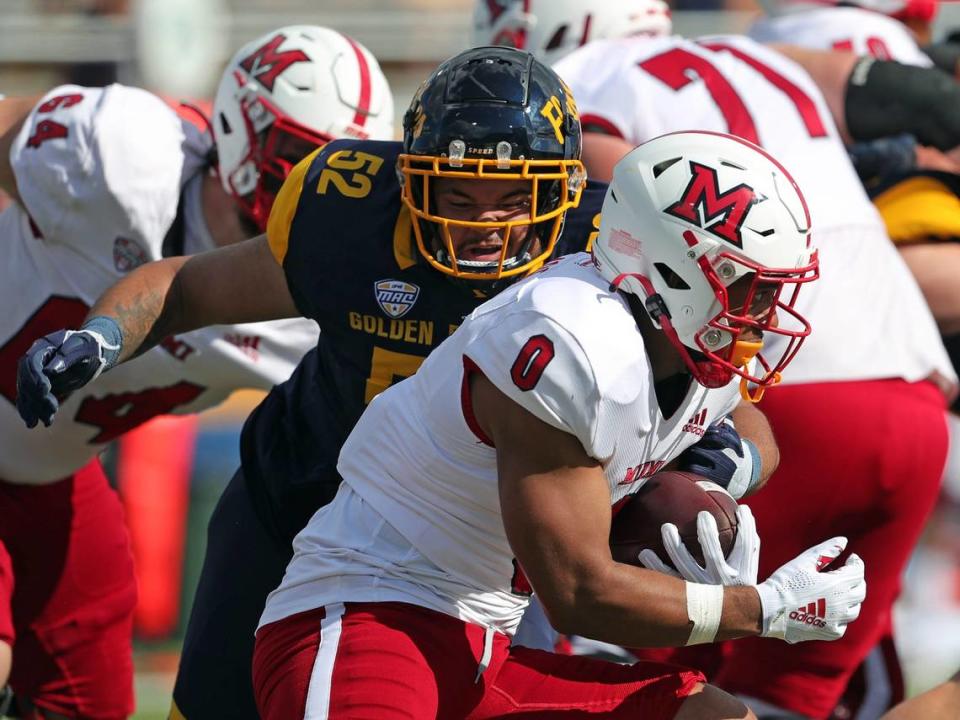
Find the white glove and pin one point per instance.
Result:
(739, 569)
(801, 603)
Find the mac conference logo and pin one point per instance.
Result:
(395, 297)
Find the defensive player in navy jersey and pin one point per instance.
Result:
(387, 246)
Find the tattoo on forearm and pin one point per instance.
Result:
(147, 318)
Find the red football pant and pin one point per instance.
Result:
(393, 661)
(860, 459)
(70, 605)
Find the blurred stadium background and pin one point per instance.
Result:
(177, 48)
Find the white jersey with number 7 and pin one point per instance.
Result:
(638, 88)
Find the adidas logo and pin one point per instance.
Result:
(695, 424)
(814, 613)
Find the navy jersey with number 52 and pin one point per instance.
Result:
(346, 244)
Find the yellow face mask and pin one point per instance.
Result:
(555, 187)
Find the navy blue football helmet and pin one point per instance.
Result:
(492, 113)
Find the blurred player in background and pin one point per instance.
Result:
(492, 472)
(885, 29)
(835, 405)
(106, 180)
(388, 258)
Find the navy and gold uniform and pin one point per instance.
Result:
(345, 243)
(344, 239)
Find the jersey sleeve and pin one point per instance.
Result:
(285, 208)
(96, 164)
(541, 367)
(600, 87)
(337, 204)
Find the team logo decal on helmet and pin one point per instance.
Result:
(395, 297)
(720, 213)
(713, 236)
(283, 95)
(265, 64)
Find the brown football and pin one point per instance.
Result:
(676, 497)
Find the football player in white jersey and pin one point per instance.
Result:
(637, 88)
(885, 29)
(104, 181)
(492, 471)
(550, 29)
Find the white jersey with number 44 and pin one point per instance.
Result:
(100, 173)
(869, 318)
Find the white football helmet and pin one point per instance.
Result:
(713, 236)
(922, 10)
(284, 94)
(551, 29)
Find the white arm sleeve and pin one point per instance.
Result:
(95, 164)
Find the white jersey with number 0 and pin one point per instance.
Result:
(100, 174)
(861, 31)
(868, 315)
(564, 348)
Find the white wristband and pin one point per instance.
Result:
(704, 607)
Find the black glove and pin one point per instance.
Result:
(724, 457)
(59, 363)
(886, 98)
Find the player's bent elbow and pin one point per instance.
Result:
(573, 609)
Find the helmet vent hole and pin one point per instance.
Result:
(673, 281)
(556, 40)
(765, 233)
(727, 163)
(661, 167)
(225, 125)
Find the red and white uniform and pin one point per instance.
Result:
(640, 88)
(861, 31)
(418, 521)
(861, 372)
(101, 174)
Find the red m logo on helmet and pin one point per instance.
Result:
(719, 213)
(265, 64)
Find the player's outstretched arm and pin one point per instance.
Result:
(13, 112)
(234, 284)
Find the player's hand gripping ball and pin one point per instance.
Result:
(683, 525)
